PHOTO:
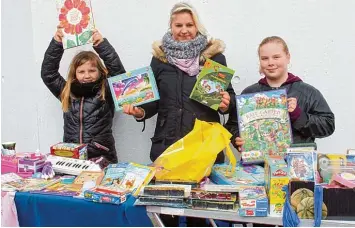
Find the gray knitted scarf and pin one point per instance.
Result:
(189, 51)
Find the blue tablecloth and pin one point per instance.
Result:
(50, 210)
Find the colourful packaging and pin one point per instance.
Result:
(276, 176)
(70, 150)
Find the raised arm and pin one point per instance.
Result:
(108, 54)
(50, 65)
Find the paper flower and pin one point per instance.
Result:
(74, 16)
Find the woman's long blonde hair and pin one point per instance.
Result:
(77, 61)
(185, 7)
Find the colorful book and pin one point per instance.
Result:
(302, 166)
(136, 177)
(114, 174)
(264, 124)
(136, 87)
(60, 189)
(77, 21)
(94, 176)
(213, 79)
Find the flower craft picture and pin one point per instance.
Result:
(76, 18)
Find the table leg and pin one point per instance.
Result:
(212, 222)
(155, 218)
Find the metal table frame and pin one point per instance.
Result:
(154, 211)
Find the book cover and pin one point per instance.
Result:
(95, 176)
(136, 177)
(136, 87)
(213, 79)
(60, 189)
(76, 18)
(264, 124)
(114, 174)
(302, 165)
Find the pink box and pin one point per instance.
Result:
(9, 164)
(31, 164)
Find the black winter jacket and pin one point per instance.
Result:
(89, 119)
(176, 111)
(314, 120)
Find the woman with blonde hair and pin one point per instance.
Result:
(176, 62)
(87, 104)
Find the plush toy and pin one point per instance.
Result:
(47, 171)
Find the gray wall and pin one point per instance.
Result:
(320, 35)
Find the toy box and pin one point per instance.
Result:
(244, 175)
(276, 176)
(253, 201)
(31, 164)
(70, 150)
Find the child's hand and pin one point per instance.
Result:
(133, 111)
(96, 37)
(58, 36)
(239, 142)
(224, 105)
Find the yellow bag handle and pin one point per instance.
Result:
(226, 136)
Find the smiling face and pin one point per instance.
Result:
(87, 72)
(183, 27)
(273, 61)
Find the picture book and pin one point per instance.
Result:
(95, 176)
(29, 184)
(136, 177)
(77, 21)
(38, 184)
(60, 189)
(136, 87)
(114, 174)
(213, 79)
(7, 177)
(302, 165)
(264, 124)
(14, 185)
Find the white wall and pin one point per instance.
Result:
(320, 35)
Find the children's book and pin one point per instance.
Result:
(213, 79)
(77, 21)
(60, 189)
(136, 87)
(264, 124)
(302, 166)
(7, 177)
(95, 176)
(136, 177)
(114, 174)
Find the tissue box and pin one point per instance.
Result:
(70, 150)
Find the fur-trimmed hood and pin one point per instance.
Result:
(214, 47)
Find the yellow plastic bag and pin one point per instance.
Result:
(191, 158)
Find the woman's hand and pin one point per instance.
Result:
(58, 36)
(224, 105)
(133, 111)
(239, 142)
(292, 104)
(96, 37)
